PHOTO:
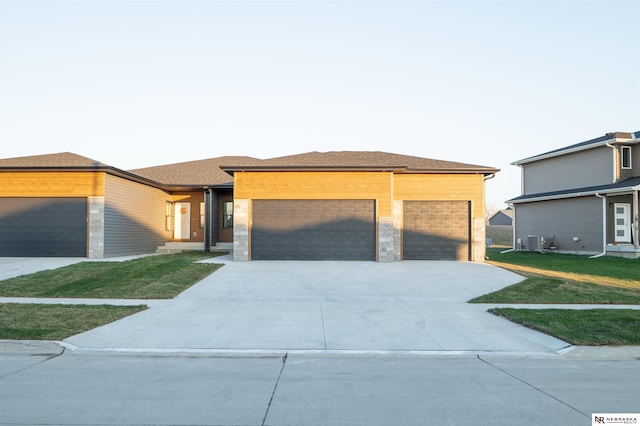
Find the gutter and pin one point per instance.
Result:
(604, 226)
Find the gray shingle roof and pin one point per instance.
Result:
(58, 160)
(359, 160)
(193, 173)
(592, 143)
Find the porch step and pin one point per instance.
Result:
(178, 247)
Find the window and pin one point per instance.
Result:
(202, 214)
(227, 214)
(626, 157)
(168, 208)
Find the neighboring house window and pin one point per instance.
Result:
(202, 214)
(168, 208)
(227, 214)
(626, 157)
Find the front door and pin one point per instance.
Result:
(182, 216)
(622, 217)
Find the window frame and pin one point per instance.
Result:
(625, 165)
(227, 222)
(202, 215)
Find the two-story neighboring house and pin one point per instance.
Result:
(582, 198)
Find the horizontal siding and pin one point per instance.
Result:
(578, 170)
(134, 218)
(51, 184)
(562, 219)
(316, 186)
(442, 187)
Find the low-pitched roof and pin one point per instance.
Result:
(61, 160)
(631, 184)
(359, 160)
(612, 137)
(194, 173)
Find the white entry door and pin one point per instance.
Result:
(182, 224)
(622, 217)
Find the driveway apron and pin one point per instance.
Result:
(329, 306)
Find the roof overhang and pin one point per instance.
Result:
(580, 147)
(574, 194)
(395, 169)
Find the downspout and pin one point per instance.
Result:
(604, 227)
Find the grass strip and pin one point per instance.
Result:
(151, 277)
(56, 322)
(548, 290)
(593, 327)
(605, 266)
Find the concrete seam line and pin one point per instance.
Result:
(275, 387)
(48, 357)
(324, 334)
(533, 387)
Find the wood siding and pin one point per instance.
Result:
(317, 186)
(134, 217)
(562, 220)
(51, 184)
(577, 170)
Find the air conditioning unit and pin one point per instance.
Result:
(534, 242)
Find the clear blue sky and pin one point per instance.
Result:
(142, 83)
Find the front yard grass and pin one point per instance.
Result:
(593, 327)
(151, 277)
(562, 279)
(56, 322)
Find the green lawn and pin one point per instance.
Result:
(540, 289)
(605, 266)
(151, 277)
(56, 322)
(593, 327)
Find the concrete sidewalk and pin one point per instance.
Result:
(411, 306)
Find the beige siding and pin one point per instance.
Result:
(563, 220)
(576, 170)
(134, 217)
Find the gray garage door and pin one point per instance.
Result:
(436, 230)
(313, 230)
(43, 227)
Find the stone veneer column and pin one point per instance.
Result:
(241, 230)
(96, 228)
(385, 239)
(397, 230)
(479, 240)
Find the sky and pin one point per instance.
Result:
(142, 83)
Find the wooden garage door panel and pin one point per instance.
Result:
(313, 230)
(43, 227)
(436, 230)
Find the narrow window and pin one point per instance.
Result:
(227, 214)
(168, 208)
(202, 214)
(626, 157)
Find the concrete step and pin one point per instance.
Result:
(178, 247)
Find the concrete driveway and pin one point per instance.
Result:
(328, 306)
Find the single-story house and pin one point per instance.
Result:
(502, 218)
(582, 198)
(332, 205)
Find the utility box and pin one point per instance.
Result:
(534, 242)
